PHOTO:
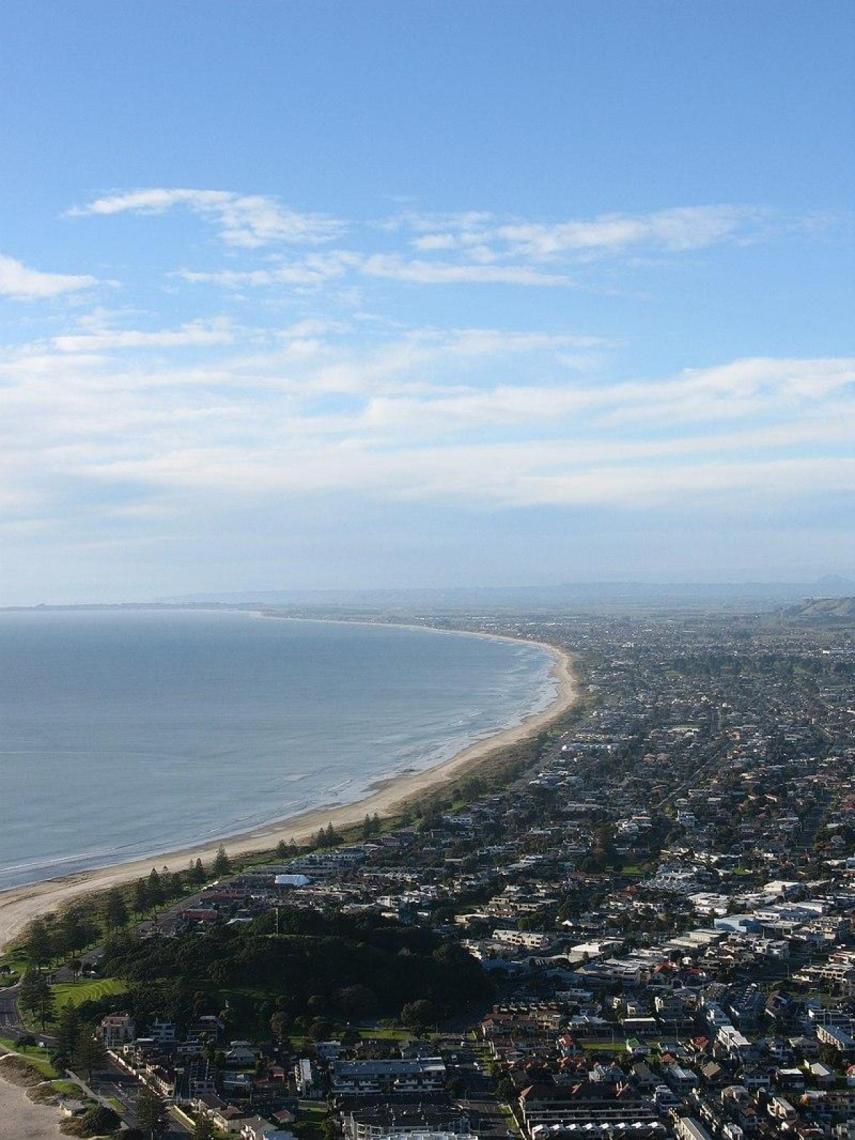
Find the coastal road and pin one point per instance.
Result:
(10, 1021)
(115, 1087)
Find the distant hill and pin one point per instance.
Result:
(569, 597)
(822, 611)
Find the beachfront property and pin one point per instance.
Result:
(649, 967)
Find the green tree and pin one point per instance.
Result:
(115, 911)
(282, 851)
(418, 1014)
(141, 899)
(155, 888)
(279, 1024)
(203, 1129)
(99, 1121)
(36, 996)
(38, 943)
(89, 1055)
(73, 931)
(169, 883)
(320, 1029)
(198, 873)
(151, 1113)
(222, 864)
(357, 1001)
(68, 1030)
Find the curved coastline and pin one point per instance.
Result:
(19, 905)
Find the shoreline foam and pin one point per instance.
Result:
(18, 905)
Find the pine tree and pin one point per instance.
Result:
(155, 889)
(39, 942)
(221, 865)
(151, 1113)
(68, 1030)
(89, 1054)
(36, 996)
(203, 1129)
(168, 883)
(141, 897)
(198, 874)
(73, 932)
(115, 911)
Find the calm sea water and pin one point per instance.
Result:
(125, 734)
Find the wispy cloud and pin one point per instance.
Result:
(421, 272)
(671, 230)
(247, 220)
(23, 283)
(194, 334)
(312, 270)
(470, 247)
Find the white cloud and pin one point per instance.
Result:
(676, 229)
(312, 270)
(194, 334)
(421, 272)
(685, 228)
(433, 414)
(22, 283)
(247, 220)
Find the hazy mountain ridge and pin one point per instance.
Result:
(822, 611)
(575, 595)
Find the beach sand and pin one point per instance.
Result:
(21, 904)
(21, 1119)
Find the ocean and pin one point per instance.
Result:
(125, 734)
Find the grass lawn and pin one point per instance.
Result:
(75, 993)
(68, 1088)
(636, 870)
(384, 1034)
(34, 1055)
(313, 1110)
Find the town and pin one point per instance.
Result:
(636, 924)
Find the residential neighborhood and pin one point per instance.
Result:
(638, 924)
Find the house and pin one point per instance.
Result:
(117, 1029)
(586, 1102)
(389, 1076)
(839, 1038)
(241, 1053)
(393, 1120)
(257, 1128)
(687, 1129)
(306, 1079)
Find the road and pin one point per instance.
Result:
(115, 1086)
(10, 1022)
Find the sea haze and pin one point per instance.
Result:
(125, 734)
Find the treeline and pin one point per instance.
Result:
(91, 918)
(333, 967)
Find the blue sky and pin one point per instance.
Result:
(388, 294)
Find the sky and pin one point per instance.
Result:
(381, 294)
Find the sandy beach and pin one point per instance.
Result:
(21, 1119)
(20, 904)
